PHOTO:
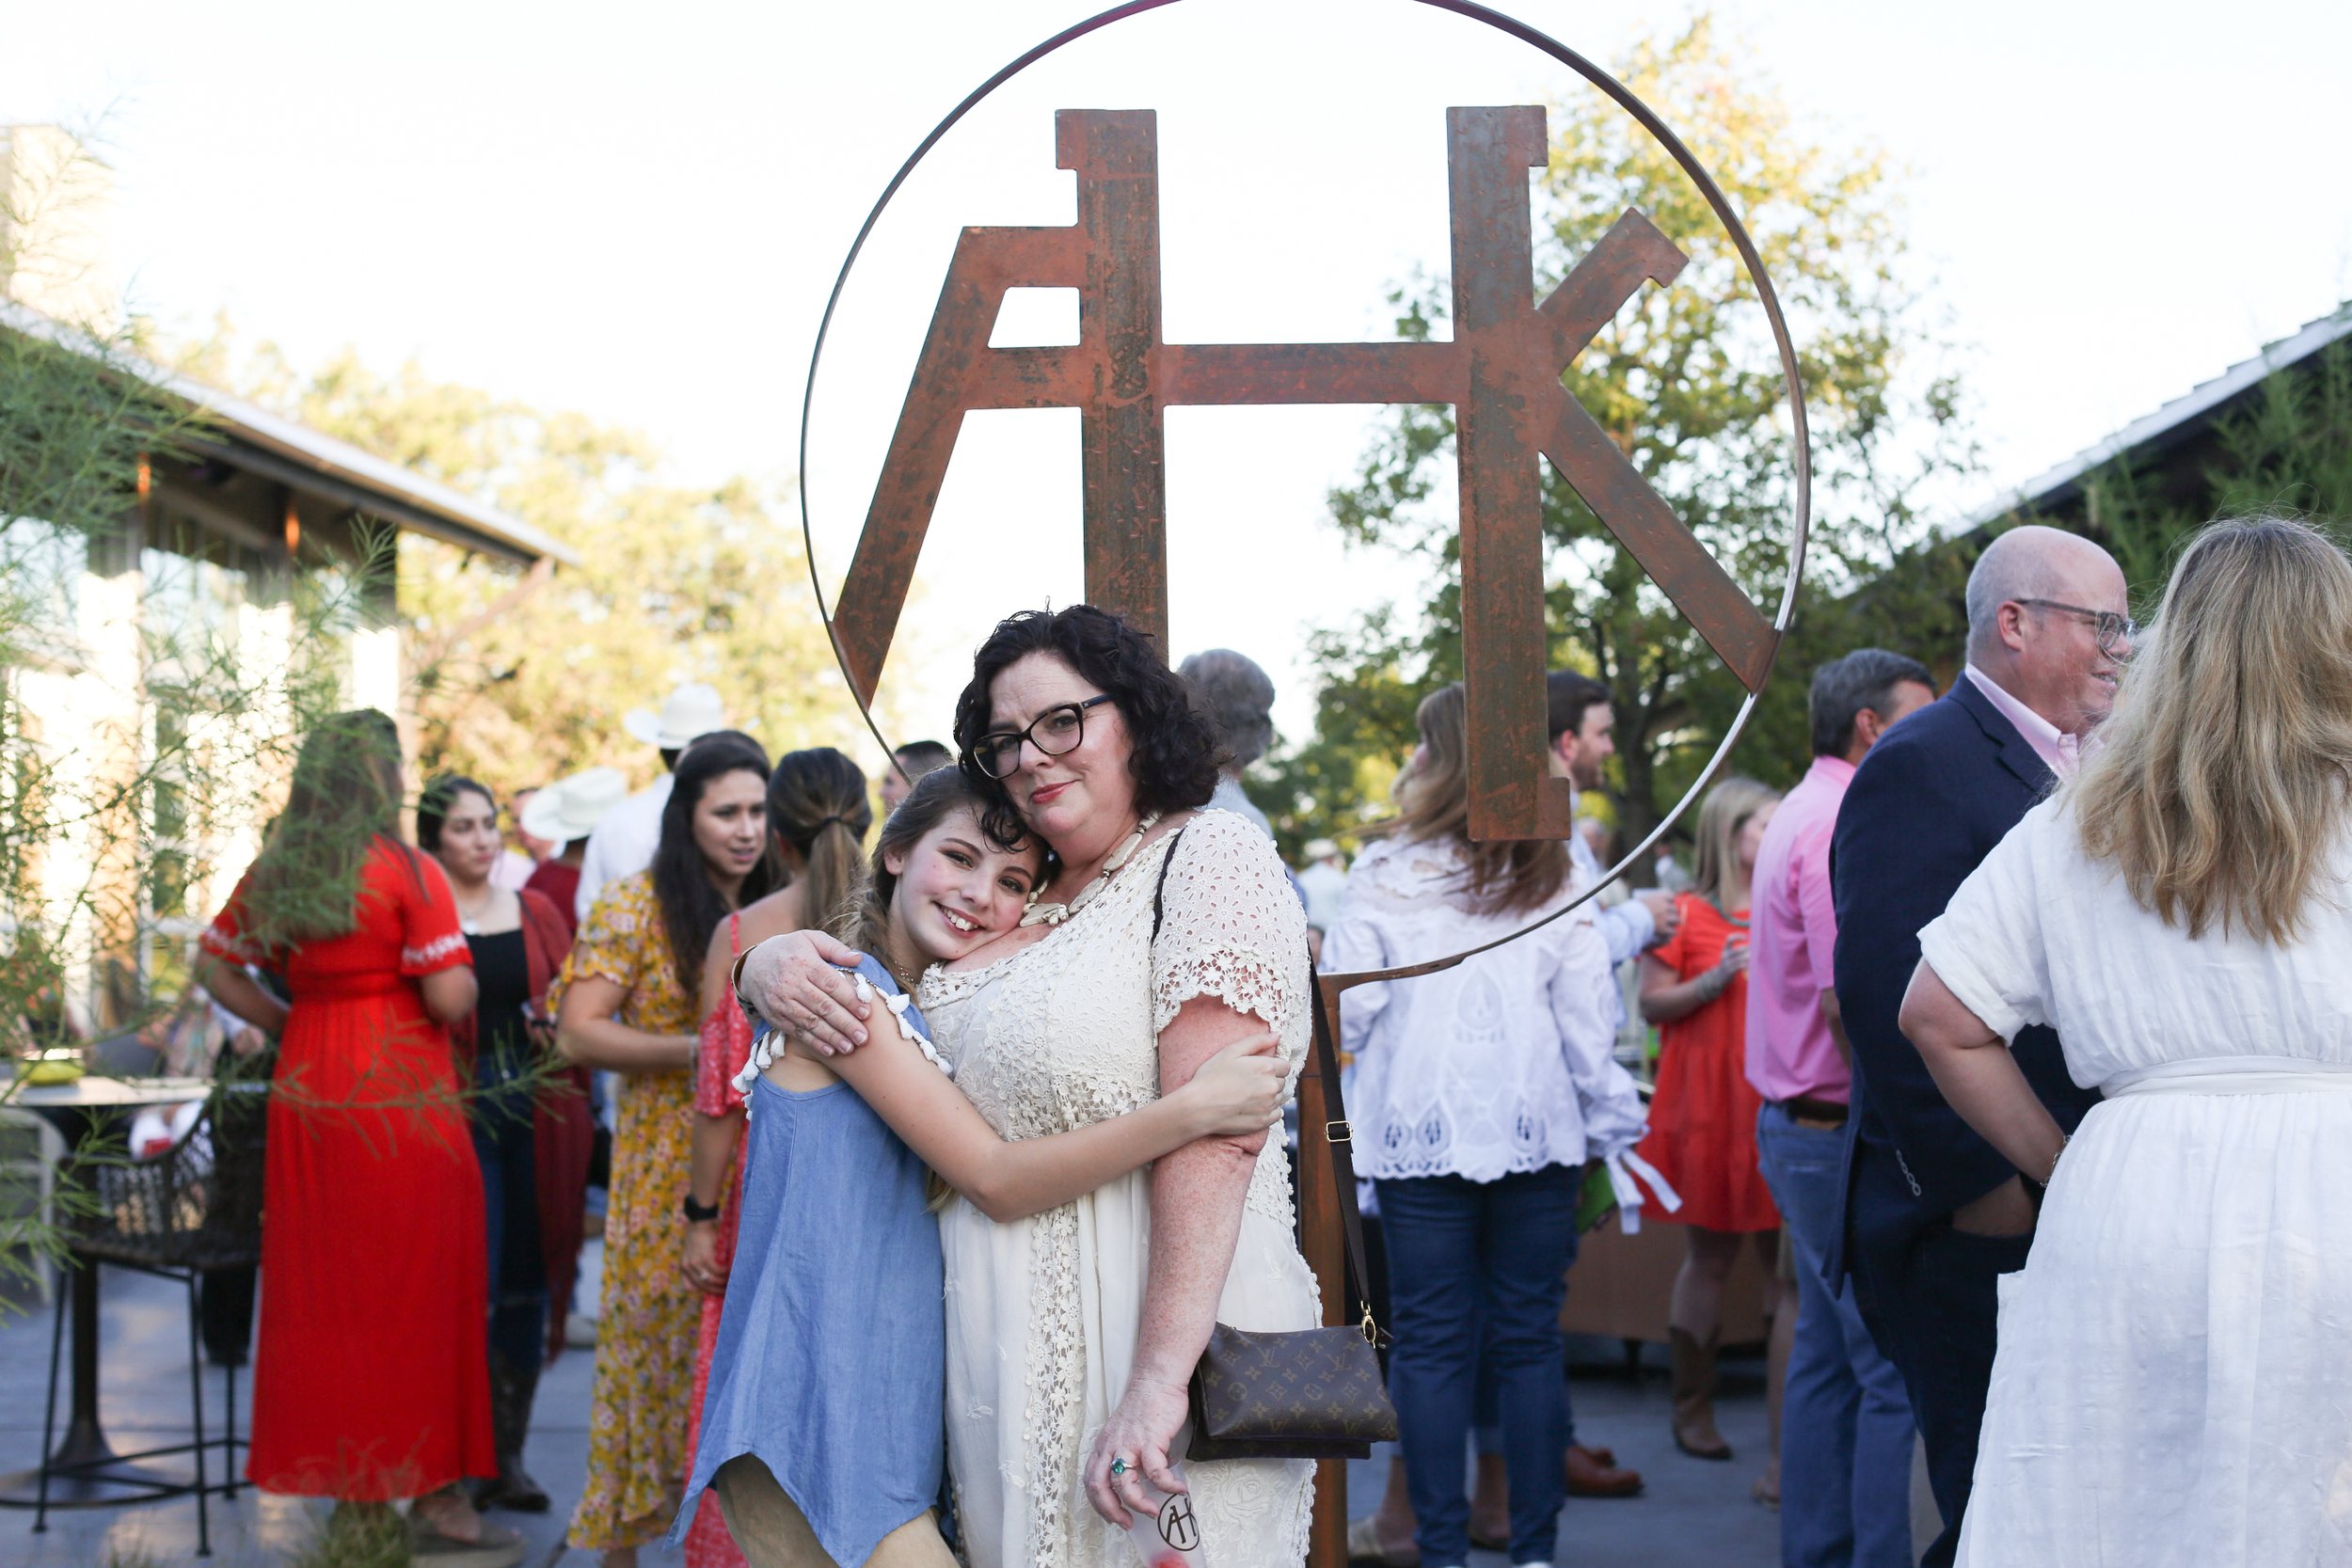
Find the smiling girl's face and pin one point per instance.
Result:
(958, 891)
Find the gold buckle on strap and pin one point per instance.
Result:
(1346, 1134)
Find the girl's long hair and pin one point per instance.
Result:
(866, 925)
(1728, 809)
(816, 803)
(2219, 785)
(692, 905)
(1433, 803)
(345, 795)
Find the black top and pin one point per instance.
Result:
(502, 972)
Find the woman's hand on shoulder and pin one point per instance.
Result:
(795, 982)
(1240, 1090)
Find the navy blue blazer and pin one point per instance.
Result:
(1929, 803)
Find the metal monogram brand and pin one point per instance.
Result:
(1502, 373)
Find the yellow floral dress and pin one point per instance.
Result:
(647, 1323)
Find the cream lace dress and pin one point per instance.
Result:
(1042, 1314)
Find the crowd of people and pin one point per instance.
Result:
(2005, 1043)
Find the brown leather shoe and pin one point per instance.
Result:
(1594, 1473)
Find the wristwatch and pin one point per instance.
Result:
(698, 1214)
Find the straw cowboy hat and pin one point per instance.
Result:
(571, 808)
(691, 711)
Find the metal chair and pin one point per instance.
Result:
(191, 1210)
(30, 1150)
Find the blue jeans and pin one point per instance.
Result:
(1477, 1271)
(518, 1277)
(1845, 1422)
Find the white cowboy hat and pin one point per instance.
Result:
(571, 808)
(691, 711)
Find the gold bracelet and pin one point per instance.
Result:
(2065, 1138)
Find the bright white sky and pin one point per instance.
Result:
(637, 210)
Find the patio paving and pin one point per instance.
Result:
(1694, 1513)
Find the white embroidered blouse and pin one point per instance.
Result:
(1501, 1063)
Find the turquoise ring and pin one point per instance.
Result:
(1119, 1466)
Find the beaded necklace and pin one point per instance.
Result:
(1054, 914)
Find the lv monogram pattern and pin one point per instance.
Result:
(1309, 1394)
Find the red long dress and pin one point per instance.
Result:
(1702, 1121)
(726, 1046)
(371, 1377)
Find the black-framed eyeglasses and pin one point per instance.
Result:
(1055, 731)
(2111, 628)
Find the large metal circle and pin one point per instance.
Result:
(1644, 117)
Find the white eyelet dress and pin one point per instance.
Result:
(2172, 1384)
(1044, 1313)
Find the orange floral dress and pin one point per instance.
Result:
(1702, 1121)
(647, 1322)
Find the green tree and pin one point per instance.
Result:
(2287, 446)
(142, 724)
(519, 678)
(1685, 381)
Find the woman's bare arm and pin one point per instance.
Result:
(711, 1155)
(1973, 1067)
(242, 994)
(1197, 1198)
(1012, 1180)
(587, 1033)
(1668, 1000)
(450, 994)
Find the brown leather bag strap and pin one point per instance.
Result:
(1335, 1109)
(1342, 1155)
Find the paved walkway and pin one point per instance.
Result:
(1694, 1513)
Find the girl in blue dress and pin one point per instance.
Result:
(822, 1433)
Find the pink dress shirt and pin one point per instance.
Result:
(1792, 943)
(2052, 745)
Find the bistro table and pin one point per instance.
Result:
(84, 1470)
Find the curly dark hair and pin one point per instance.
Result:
(1176, 758)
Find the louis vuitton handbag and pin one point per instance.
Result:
(1313, 1394)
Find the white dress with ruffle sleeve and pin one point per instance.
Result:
(1044, 1313)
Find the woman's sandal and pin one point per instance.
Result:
(498, 1547)
(1364, 1546)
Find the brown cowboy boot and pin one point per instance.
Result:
(1693, 1389)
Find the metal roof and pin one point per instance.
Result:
(296, 455)
(2174, 422)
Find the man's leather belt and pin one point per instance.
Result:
(1809, 1109)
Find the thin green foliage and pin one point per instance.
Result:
(158, 682)
(357, 1535)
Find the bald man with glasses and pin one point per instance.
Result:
(1934, 1215)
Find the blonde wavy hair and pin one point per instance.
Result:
(1727, 810)
(2220, 786)
(1433, 803)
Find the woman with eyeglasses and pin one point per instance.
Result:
(1163, 934)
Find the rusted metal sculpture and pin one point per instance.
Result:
(1501, 373)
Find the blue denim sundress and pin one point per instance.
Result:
(830, 1359)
